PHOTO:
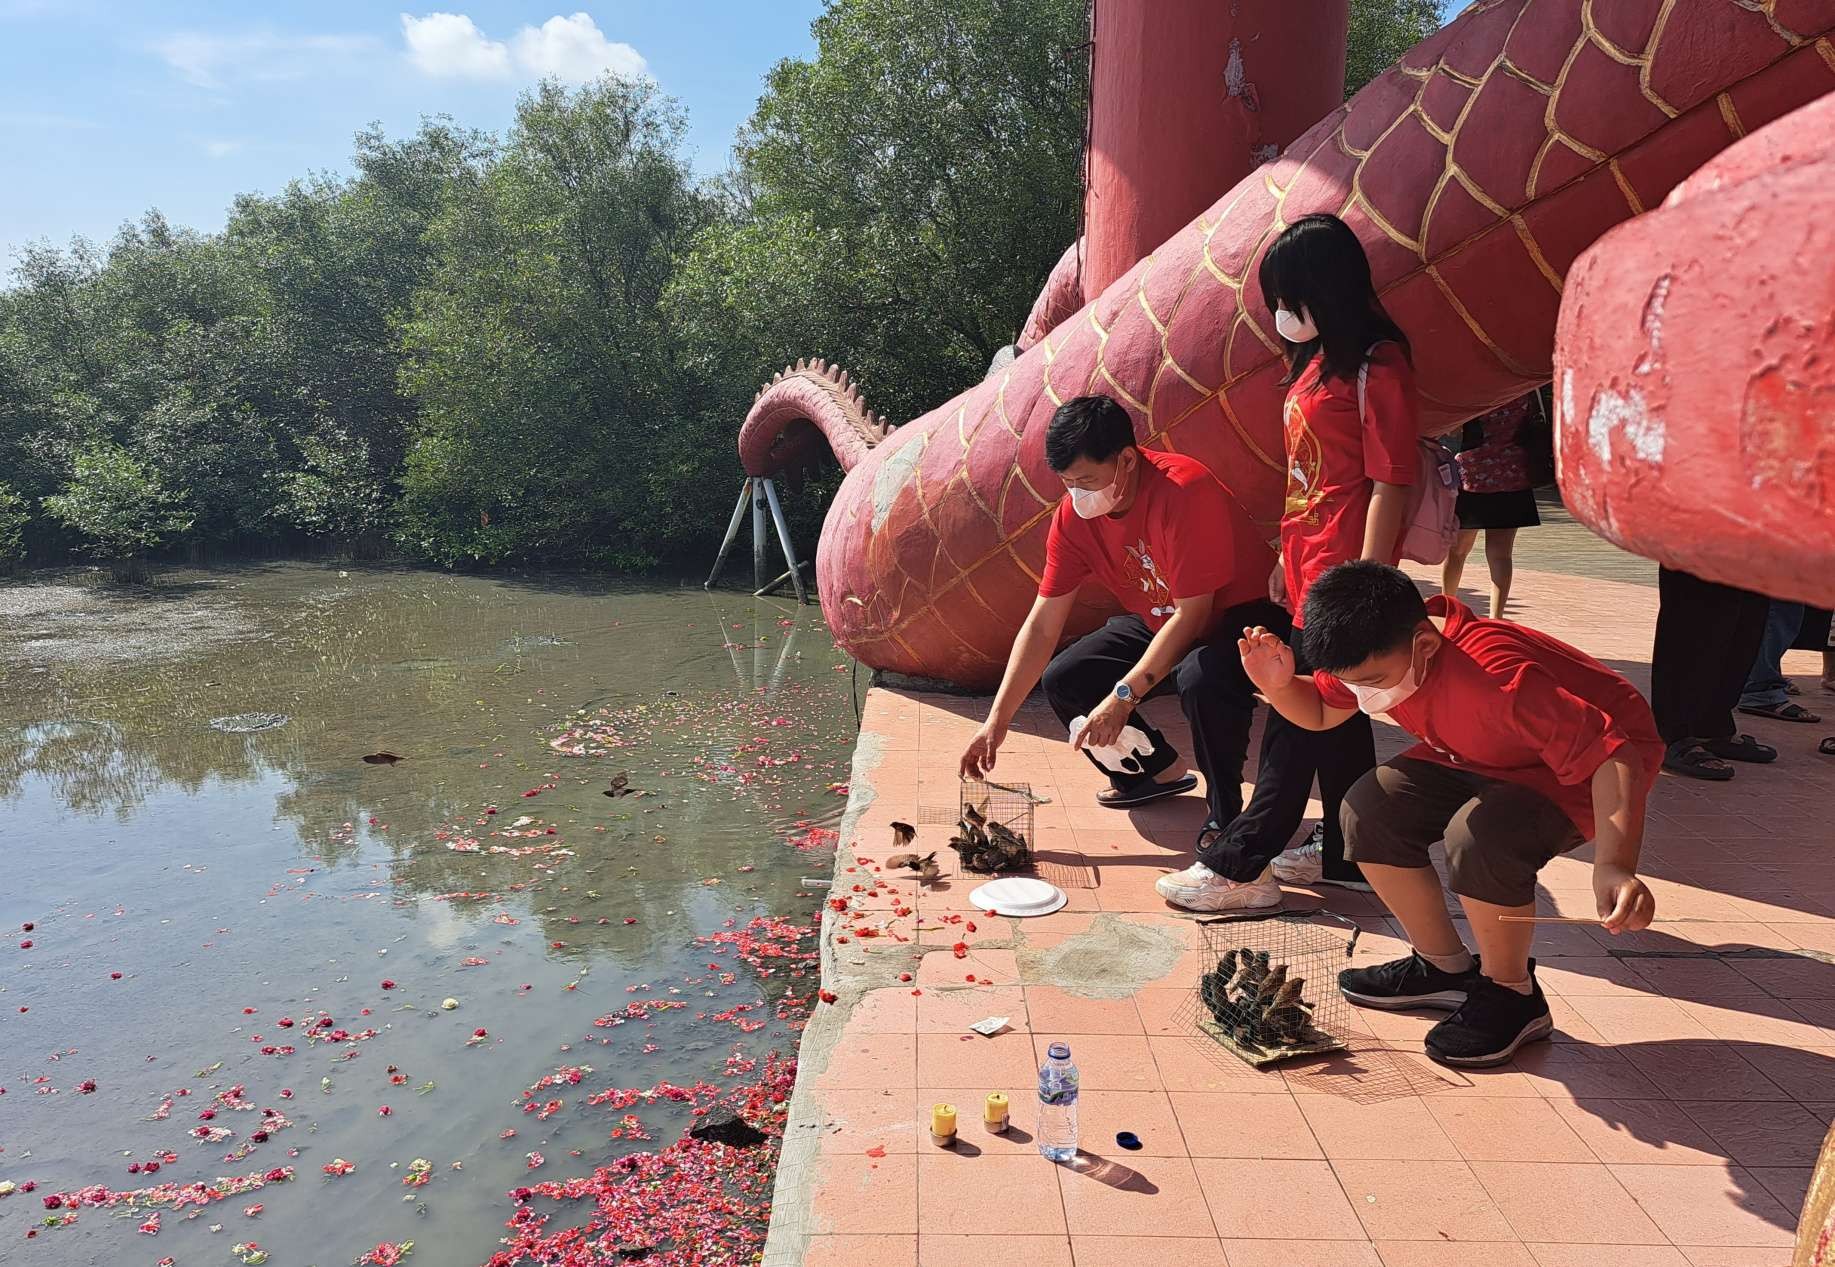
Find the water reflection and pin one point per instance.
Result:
(276, 870)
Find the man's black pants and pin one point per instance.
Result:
(1707, 636)
(1291, 756)
(1215, 694)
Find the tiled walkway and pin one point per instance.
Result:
(1674, 1119)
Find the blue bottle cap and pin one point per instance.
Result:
(1128, 1140)
(1058, 1051)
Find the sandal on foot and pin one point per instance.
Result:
(1742, 748)
(1786, 711)
(1827, 747)
(1145, 791)
(1687, 757)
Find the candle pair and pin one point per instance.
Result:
(994, 1116)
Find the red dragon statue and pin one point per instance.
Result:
(1476, 170)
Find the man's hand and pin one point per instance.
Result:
(1105, 723)
(978, 758)
(1625, 903)
(1265, 658)
(1277, 585)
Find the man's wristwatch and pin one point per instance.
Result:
(1124, 693)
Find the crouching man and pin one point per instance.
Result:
(1185, 562)
(1528, 749)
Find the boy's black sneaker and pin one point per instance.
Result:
(1406, 983)
(1494, 1022)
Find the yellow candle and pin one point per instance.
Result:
(994, 1113)
(943, 1123)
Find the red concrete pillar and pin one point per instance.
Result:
(1187, 96)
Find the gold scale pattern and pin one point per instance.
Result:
(1475, 171)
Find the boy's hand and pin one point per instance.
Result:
(1625, 902)
(978, 758)
(1265, 658)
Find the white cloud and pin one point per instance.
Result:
(223, 149)
(450, 45)
(213, 61)
(576, 50)
(573, 49)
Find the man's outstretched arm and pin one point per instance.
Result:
(1032, 651)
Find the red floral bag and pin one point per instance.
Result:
(1496, 463)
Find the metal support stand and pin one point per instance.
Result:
(767, 513)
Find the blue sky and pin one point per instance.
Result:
(108, 107)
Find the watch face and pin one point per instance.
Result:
(1123, 691)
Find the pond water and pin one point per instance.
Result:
(190, 889)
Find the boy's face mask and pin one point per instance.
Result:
(1295, 327)
(1382, 699)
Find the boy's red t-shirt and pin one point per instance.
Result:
(1183, 536)
(1332, 455)
(1514, 704)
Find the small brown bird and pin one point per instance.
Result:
(903, 834)
(973, 816)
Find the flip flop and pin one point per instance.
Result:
(1827, 747)
(1786, 711)
(1145, 792)
(1690, 759)
(1742, 748)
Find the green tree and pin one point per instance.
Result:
(1381, 31)
(120, 507)
(14, 516)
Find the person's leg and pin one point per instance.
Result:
(1766, 687)
(1219, 702)
(1495, 845)
(1083, 674)
(1696, 620)
(1345, 754)
(1454, 568)
(1392, 817)
(1742, 631)
(1500, 551)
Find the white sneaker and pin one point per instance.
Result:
(1305, 865)
(1198, 888)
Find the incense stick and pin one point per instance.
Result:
(1574, 919)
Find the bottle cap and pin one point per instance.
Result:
(1058, 1051)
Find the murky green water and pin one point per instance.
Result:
(232, 879)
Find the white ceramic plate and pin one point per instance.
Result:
(1018, 895)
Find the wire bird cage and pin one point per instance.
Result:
(1268, 987)
(994, 826)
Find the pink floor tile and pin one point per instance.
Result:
(951, 1011)
(1421, 1201)
(852, 1251)
(1107, 1251)
(1735, 1256)
(1643, 1132)
(857, 1194)
(1696, 1069)
(1622, 1256)
(973, 1137)
(888, 1011)
(1247, 1253)
(1200, 1064)
(1106, 1062)
(1789, 1184)
(1759, 1020)
(942, 968)
(1229, 1124)
(1579, 1203)
(871, 1061)
(1003, 1062)
(1101, 1115)
(1566, 1071)
(1708, 1205)
(1507, 1129)
(1166, 1011)
(1400, 1128)
(1279, 1200)
(1633, 1020)
(1759, 1134)
(1132, 1194)
(963, 1195)
(987, 1250)
(1454, 1254)
(1806, 1073)
(857, 1119)
(1057, 1011)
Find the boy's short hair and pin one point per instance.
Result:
(1093, 427)
(1357, 610)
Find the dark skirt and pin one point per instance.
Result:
(1498, 510)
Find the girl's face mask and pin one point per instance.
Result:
(1295, 327)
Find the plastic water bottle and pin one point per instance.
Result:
(1058, 1105)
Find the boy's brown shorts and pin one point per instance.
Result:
(1498, 835)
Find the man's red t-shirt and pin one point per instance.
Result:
(1514, 704)
(1183, 536)
(1332, 455)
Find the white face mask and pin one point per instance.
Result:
(1091, 502)
(1294, 328)
(1382, 699)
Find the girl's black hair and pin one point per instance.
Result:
(1317, 264)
